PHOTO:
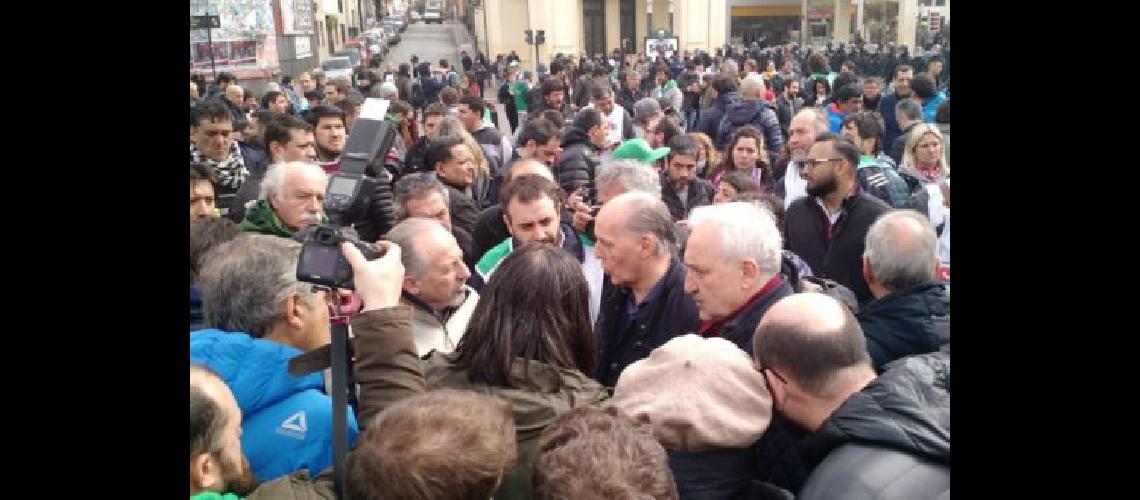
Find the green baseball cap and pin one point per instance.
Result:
(638, 149)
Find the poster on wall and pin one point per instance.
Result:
(244, 41)
(655, 47)
(296, 17)
(302, 47)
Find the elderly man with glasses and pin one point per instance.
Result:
(827, 227)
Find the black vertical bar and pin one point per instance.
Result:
(338, 350)
(210, 40)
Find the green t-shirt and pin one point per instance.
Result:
(518, 90)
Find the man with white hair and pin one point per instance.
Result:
(733, 274)
(805, 126)
(434, 284)
(911, 310)
(733, 257)
(292, 197)
(644, 303)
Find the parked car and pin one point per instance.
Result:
(394, 22)
(337, 67)
(416, 16)
(352, 53)
(393, 35)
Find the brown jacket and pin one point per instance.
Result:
(297, 486)
(388, 369)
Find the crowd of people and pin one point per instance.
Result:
(619, 277)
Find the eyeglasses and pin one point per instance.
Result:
(810, 163)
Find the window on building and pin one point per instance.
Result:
(340, 5)
(940, 3)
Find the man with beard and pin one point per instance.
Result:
(331, 135)
(901, 83)
(802, 132)
(788, 104)
(553, 96)
(620, 121)
(434, 284)
(532, 208)
(217, 464)
(828, 228)
(681, 189)
(213, 144)
(291, 199)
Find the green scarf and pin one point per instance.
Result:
(260, 218)
(669, 85)
(211, 495)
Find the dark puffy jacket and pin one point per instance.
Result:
(913, 321)
(691, 100)
(834, 252)
(579, 160)
(889, 441)
(899, 146)
(671, 313)
(490, 230)
(757, 113)
(627, 97)
(727, 474)
(710, 118)
(430, 87)
(701, 193)
(414, 158)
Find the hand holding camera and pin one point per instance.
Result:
(378, 282)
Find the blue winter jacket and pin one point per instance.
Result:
(286, 421)
(930, 108)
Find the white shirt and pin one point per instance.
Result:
(794, 185)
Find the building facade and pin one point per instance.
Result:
(257, 40)
(600, 26)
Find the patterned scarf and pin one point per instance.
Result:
(231, 172)
(929, 172)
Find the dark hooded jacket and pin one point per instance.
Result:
(580, 158)
(757, 113)
(710, 118)
(889, 441)
(912, 321)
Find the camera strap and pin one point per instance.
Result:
(339, 358)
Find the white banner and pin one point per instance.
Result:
(302, 47)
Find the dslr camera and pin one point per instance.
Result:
(346, 201)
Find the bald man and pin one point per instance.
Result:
(910, 313)
(490, 230)
(644, 303)
(884, 438)
(291, 199)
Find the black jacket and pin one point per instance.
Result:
(757, 113)
(727, 474)
(913, 321)
(899, 146)
(786, 110)
(462, 208)
(671, 313)
(889, 441)
(834, 253)
(701, 193)
(414, 158)
(579, 161)
(710, 118)
(627, 97)
(890, 121)
(690, 100)
(490, 230)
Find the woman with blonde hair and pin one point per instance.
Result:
(451, 126)
(709, 156)
(924, 156)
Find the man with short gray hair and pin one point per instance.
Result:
(644, 303)
(802, 130)
(434, 284)
(423, 195)
(908, 114)
(260, 317)
(732, 263)
(611, 180)
(911, 310)
(291, 199)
